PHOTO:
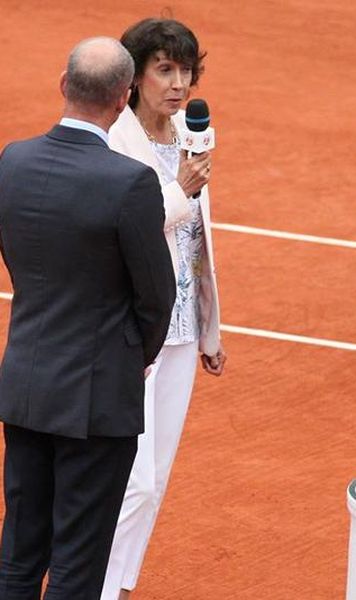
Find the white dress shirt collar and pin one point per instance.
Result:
(87, 126)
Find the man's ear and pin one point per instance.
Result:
(123, 100)
(63, 83)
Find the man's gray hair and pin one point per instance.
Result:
(99, 70)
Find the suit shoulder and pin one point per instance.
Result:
(130, 165)
(124, 175)
(21, 146)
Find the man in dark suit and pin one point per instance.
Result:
(81, 233)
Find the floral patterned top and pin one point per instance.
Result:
(184, 327)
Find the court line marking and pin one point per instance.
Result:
(6, 296)
(264, 333)
(286, 235)
(288, 337)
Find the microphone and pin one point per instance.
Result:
(197, 137)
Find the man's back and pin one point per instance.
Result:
(74, 228)
(81, 232)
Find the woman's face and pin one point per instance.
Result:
(164, 85)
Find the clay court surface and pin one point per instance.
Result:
(256, 505)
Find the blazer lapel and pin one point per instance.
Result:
(134, 142)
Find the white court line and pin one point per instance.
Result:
(5, 296)
(288, 337)
(274, 335)
(298, 237)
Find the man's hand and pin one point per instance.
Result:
(214, 364)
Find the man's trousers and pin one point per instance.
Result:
(63, 497)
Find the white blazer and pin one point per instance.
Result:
(127, 136)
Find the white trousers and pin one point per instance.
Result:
(168, 390)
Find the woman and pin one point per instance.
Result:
(167, 64)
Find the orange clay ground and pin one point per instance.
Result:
(256, 504)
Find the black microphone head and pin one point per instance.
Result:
(197, 117)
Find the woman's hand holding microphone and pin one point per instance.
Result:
(194, 172)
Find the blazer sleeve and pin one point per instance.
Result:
(127, 137)
(176, 205)
(148, 261)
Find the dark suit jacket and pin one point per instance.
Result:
(81, 232)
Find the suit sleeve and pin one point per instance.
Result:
(2, 250)
(148, 261)
(1, 243)
(1, 246)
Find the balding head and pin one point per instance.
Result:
(99, 71)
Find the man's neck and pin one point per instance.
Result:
(102, 119)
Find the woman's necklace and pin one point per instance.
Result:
(152, 138)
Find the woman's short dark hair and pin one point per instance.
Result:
(149, 36)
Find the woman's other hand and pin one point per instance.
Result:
(214, 364)
(194, 172)
(147, 371)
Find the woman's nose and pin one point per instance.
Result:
(177, 79)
